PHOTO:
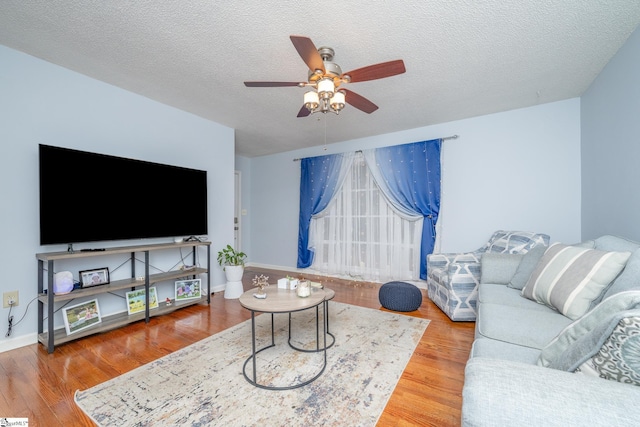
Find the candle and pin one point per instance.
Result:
(303, 290)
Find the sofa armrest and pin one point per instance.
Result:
(450, 271)
(443, 261)
(507, 393)
(452, 279)
(452, 263)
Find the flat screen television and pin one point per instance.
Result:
(90, 197)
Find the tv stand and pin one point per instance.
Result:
(50, 337)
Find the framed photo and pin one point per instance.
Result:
(136, 300)
(81, 316)
(95, 277)
(188, 289)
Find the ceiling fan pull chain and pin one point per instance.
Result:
(325, 132)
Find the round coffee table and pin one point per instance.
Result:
(282, 301)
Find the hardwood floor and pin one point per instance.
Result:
(40, 386)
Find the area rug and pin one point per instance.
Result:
(203, 384)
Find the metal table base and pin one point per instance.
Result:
(326, 321)
(253, 379)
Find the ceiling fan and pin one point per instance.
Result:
(325, 78)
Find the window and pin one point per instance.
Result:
(360, 235)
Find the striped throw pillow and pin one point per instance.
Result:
(567, 278)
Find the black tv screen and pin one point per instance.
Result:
(90, 197)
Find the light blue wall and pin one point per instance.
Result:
(44, 103)
(514, 170)
(611, 147)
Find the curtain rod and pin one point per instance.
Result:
(360, 151)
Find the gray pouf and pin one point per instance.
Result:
(400, 296)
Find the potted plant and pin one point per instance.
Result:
(232, 262)
(229, 256)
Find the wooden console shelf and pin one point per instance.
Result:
(52, 337)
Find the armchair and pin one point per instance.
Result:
(453, 278)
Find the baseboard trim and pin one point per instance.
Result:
(422, 284)
(218, 288)
(17, 342)
(277, 267)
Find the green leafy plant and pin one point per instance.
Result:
(229, 256)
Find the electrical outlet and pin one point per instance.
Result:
(9, 296)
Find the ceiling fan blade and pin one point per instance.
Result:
(308, 52)
(377, 71)
(359, 101)
(304, 112)
(270, 84)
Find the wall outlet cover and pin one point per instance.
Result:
(10, 296)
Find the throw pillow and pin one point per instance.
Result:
(498, 269)
(567, 278)
(576, 342)
(619, 357)
(628, 279)
(528, 263)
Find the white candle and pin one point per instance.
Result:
(303, 289)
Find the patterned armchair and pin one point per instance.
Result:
(452, 279)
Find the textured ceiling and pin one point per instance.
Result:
(464, 58)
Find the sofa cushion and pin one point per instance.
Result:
(494, 349)
(627, 280)
(618, 358)
(526, 266)
(503, 295)
(568, 278)
(589, 244)
(499, 268)
(506, 393)
(579, 340)
(610, 243)
(529, 328)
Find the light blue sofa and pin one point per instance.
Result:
(521, 367)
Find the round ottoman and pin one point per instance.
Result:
(400, 296)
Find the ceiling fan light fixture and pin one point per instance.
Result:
(326, 88)
(311, 100)
(337, 101)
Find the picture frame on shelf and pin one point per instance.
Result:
(188, 289)
(136, 301)
(95, 277)
(81, 316)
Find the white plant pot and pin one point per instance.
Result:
(233, 288)
(234, 273)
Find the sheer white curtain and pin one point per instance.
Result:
(359, 235)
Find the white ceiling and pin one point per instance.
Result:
(464, 58)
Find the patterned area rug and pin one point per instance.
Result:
(203, 384)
